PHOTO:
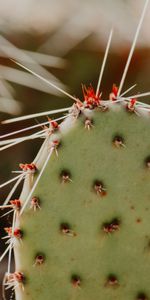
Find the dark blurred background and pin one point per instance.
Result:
(70, 37)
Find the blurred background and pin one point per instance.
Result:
(63, 41)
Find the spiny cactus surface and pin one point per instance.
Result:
(88, 238)
(80, 228)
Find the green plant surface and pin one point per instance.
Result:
(92, 231)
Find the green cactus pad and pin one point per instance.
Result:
(90, 238)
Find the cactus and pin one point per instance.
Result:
(80, 227)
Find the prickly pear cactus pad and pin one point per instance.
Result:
(80, 228)
(89, 238)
